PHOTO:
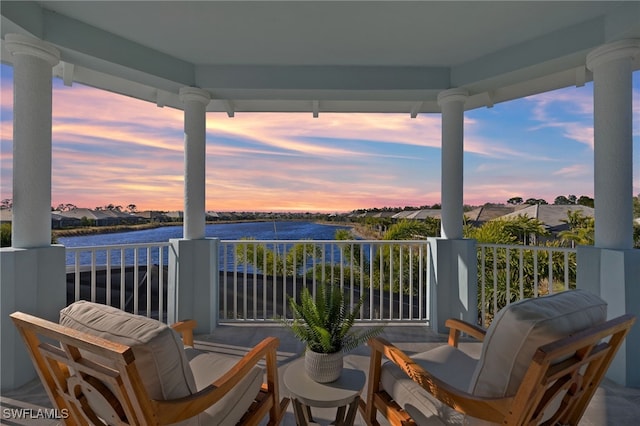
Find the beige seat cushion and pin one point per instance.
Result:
(207, 368)
(498, 368)
(520, 328)
(159, 352)
(167, 369)
(452, 365)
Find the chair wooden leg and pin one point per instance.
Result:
(368, 410)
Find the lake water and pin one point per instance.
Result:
(224, 231)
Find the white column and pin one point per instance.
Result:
(33, 270)
(32, 64)
(611, 267)
(195, 103)
(452, 106)
(612, 69)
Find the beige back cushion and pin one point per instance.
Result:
(520, 328)
(159, 352)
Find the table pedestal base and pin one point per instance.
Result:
(344, 416)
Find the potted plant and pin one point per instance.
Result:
(325, 324)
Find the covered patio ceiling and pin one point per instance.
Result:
(324, 56)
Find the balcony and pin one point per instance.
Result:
(482, 72)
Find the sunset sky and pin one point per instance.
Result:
(112, 149)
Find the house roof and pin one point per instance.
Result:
(419, 214)
(489, 212)
(551, 215)
(317, 56)
(79, 213)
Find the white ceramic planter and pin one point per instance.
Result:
(323, 368)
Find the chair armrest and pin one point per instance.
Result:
(457, 326)
(185, 328)
(490, 409)
(172, 411)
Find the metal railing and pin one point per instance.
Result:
(507, 273)
(129, 277)
(259, 277)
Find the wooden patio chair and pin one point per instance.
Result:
(541, 361)
(101, 365)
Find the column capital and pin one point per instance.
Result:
(452, 95)
(194, 94)
(19, 44)
(613, 51)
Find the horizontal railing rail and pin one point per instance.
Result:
(258, 277)
(507, 273)
(131, 277)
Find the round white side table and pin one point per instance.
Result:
(305, 393)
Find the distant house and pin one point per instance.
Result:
(553, 216)
(97, 217)
(176, 216)
(153, 216)
(58, 221)
(211, 216)
(122, 217)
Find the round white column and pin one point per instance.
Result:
(195, 103)
(32, 61)
(452, 106)
(613, 147)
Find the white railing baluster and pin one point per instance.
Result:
(371, 257)
(566, 270)
(521, 271)
(77, 276)
(93, 275)
(108, 278)
(284, 280)
(507, 256)
(160, 284)
(483, 287)
(225, 260)
(244, 283)
(136, 280)
(265, 288)
(495, 280)
(255, 282)
(550, 259)
(390, 281)
(149, 280)
(123, 279)
(535, 273)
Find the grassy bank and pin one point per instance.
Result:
(91, 230)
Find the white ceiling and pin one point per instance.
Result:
(385, 56)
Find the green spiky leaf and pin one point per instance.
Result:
(325, 322)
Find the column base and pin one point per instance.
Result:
(34, 282)
(193, 282)
(453, 282)
(613, 275)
